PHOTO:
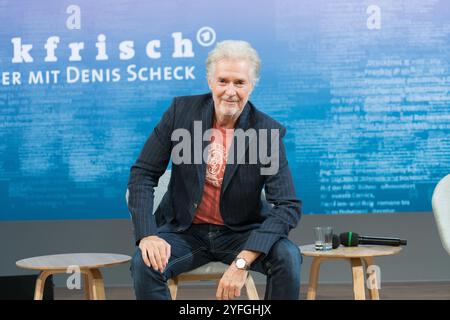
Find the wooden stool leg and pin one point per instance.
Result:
(88, 295)
(373, 290)
(358, 279)
(252, 293)
(96, 284)
(173, 287)
(40, 284)
(313, 277)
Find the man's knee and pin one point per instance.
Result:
(286, 254)
(139, 268)
(137, 263)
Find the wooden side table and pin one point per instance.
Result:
(360, 259)
(88, 263)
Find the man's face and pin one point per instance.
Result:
(231, 87)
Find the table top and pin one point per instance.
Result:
(350, 252)
(82, 260)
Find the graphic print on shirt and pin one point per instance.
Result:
(217, 159)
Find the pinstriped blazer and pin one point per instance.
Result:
(240, 201)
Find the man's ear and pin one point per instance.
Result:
(209, 84)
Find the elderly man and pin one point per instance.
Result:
(213, 210)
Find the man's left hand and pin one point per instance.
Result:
(231, 283)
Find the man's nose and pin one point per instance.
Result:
(230, 89)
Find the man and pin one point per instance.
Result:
(212, 210)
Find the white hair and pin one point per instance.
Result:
(234, 49)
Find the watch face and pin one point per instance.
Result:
(240, 263)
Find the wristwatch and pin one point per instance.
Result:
(241, 264)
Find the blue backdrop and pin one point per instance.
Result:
(362, 87)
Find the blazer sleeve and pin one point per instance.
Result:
(145, 173)
(286, 211)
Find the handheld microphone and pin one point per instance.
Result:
(351, 239)
(336, 241)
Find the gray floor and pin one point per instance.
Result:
(388, 291)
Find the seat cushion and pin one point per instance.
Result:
(209, 268)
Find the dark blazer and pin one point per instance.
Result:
(240, 203)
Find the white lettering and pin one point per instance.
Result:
(21, 51)
(72, 74)
(75, 48)
(141, 74)
(182, 47)
(150, 49)
(159, 73)
(126, 50)
(189, 74)
(153, 73)
(131, 71)
(175, 73)
(50, 46)
(101, 46)
(92, 75)
(6, 81)
(167, 73)
(39, 77)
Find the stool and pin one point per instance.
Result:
(357, 256)
(88, 264)
(210, 271)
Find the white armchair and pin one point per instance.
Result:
(441, 209)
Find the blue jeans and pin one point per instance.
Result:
(202, 243)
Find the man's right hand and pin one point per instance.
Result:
(155, 252)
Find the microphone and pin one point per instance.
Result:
(352, 239)
(336, 241)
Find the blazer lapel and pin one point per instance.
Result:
(207, 119)
(232, 165)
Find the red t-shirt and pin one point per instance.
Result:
(209, 209)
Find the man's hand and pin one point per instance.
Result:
(155, 252)
(231, 283)
(234, 279)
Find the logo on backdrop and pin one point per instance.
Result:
(24, 53)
